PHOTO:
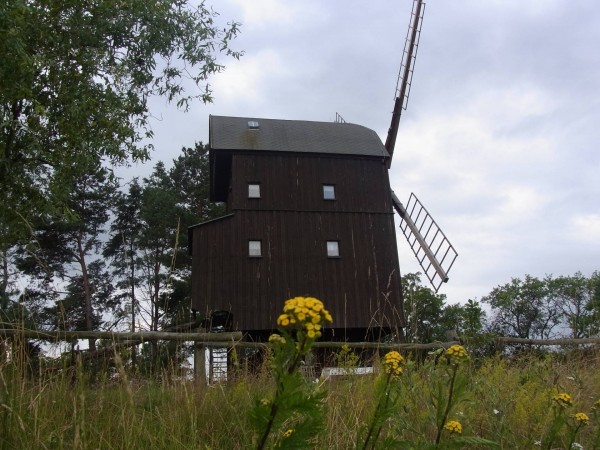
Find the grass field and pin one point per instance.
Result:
(507, 403)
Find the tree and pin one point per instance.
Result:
(75, 81)
(190, 180)
(423, 310)
(593, 306)
(572, 296)
(158, 239)
(524, 308)
(122, 248)
(64, 248)
(575, 297)
(473, 319)
(430, 319)
(70, 312)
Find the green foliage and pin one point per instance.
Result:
(75, 83)
(296, 405)
(423, 311)
(523, 308)
(189, 177)
(429, 318)
(346, 358)
(63, 249)
(387, 392)
(577, 297)
(294, 416)
(536, 308)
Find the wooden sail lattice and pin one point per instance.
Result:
(431, 247)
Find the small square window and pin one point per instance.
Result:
(253, 190)
(328, 192)
(333, 249)
(255, 249)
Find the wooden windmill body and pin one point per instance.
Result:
(310, 212)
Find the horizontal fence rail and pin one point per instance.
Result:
(123, 336)
(234, 339)
(560, 341)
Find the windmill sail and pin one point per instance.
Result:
(405, 74)
(428, 242)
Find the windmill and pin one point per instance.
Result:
(310, 212)
(431, 247)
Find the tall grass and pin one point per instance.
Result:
(508, 401)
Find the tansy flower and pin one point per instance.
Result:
(288, 433)
(582, 418)
(276, 339)
(392, 363)
(453, 427)
(563, 399)
(306, 314)
(456, 354)
(283, 320)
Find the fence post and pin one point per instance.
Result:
(200, 362)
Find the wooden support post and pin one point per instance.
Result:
(200, 363)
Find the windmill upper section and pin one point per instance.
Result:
(244, 135)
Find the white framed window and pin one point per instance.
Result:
(328, 192)
(254, 249)
(253, 190)
(333, 249)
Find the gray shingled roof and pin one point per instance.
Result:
(299, 136)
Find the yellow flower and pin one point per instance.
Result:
(453, 426)
(392, 361)
(582, 418)
(563, 399)
(456, 354)
(276, 339)
(305, 314)
(288, 433)
(596, 405)
(283, 320)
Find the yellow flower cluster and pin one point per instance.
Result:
(453, 426)
(581, 418)
(563, 399)
(276, 339)
(304, 313)
(392, 363)
(288, 433)
(456, 354)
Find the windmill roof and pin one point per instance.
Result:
(296, 136)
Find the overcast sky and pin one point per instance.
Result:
(500, 138)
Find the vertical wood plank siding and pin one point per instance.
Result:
(361, 288)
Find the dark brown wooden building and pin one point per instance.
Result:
(309, 214)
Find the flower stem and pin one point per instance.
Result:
(573, 436)
(385, 400)
(448, 405)
(280, 386)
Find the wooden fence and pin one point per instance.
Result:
(235, 339)
(206, 341)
